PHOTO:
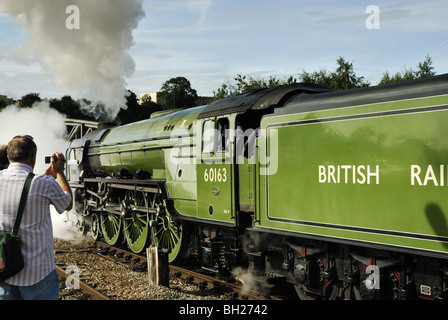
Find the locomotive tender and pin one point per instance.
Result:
(341, 193)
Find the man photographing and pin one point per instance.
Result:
(38, 280)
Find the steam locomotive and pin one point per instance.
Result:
(342, 194)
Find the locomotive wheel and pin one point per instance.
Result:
(302, 294)
(82, 228)
(95, 227)
(112, 227)
(331, 292)
(169, 234)
(136, 229)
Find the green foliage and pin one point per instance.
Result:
(343, 78)
(28, 100)
(246, 84)
(178, 93)
(425, 69)
(150, 106)
(71, 108)
(134, 111)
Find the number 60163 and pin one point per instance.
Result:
(215, 175)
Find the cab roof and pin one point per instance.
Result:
(259, 99)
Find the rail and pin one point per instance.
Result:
(85, 288)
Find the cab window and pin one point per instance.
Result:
(208, 136)
(215, 137)
(222, 135)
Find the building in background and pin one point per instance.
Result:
(156, 98)
(151, 96)
(5, 101)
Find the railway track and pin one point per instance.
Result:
(136, 262)
(236, 290)
(87, 292)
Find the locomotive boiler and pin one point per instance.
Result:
(339, 193)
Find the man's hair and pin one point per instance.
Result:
(21, 149)
(3, 156)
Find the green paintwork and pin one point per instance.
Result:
(246, 183)
(389, 209)
(151, 145)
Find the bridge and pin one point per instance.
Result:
(78, 128)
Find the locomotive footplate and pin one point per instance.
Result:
(152, 185)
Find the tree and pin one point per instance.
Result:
(406, 74)
(247, 83)
(343, 78)
(178, 93)
(134, 111)
(322, 77)
(29, 99)
(425, 69)
(251, 84)
(71, 108)
(149, 106)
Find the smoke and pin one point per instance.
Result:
(250, 281)
(45, 125)
(48, 129)
(86, 51)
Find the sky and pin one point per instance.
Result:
(209, 42)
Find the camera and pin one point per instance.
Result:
(48, 159)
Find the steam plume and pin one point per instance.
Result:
(91, 62)
(45, 125)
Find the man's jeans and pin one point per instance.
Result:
(46, 289)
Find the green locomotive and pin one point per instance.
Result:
(341, 193)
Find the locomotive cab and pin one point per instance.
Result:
(215, 169)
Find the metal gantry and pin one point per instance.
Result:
(78, 128)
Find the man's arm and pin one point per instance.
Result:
(60, 178)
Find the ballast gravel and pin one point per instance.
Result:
(116, 281)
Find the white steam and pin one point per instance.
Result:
(45, 125)
(250, 282)
(91, 62)
(48, 129)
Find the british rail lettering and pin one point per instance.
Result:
(365, 174)
(429, 176)
(345, 174)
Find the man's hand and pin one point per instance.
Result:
(56, 170)
(57, 166)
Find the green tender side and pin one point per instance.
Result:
(376, 174)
